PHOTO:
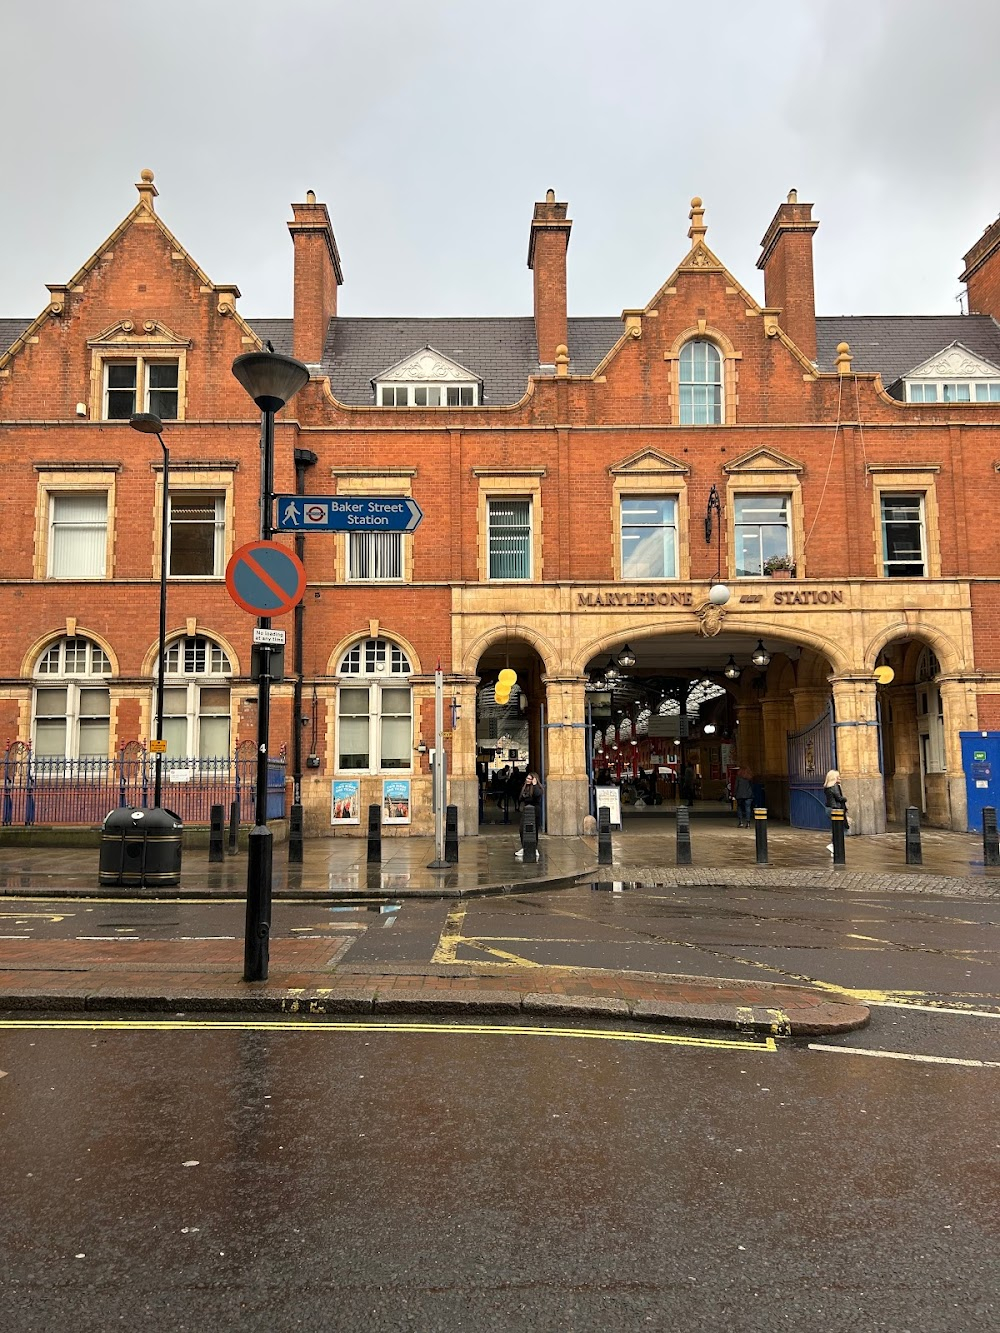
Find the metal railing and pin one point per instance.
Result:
(42, 789)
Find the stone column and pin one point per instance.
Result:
(749, 737)
(959, 705)
(777, 718)
(463, 784)
(857, 752)
(903, 785)
(809, 702)
(566, 792)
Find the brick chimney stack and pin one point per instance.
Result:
(787, 261)
(317, 276)
(547, 247)
(981, 274)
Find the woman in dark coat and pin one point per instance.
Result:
(531, 795)
(835, 799)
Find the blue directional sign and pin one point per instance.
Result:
(346, 513)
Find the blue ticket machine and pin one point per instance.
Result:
(981, 762)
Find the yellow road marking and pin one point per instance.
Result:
(508, 958)
(40, 916)
(764, 1044)
(451, 934)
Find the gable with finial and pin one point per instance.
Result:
(954, 362)
(427, 366)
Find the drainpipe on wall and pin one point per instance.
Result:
(303, 458)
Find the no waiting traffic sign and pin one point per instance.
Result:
(265, 579)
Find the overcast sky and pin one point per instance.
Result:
(429, 129)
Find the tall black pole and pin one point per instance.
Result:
(260, 846)
(303, 458)
(164, 528)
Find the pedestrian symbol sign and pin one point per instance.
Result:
(347, 513)
(265, 579)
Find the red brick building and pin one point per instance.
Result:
(584, 482)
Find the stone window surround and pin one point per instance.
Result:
(509, 484)
(902, 479)
(65, 479)
(776, 479)
(372, 481)
(217, 477)
(703, 332)
(155, 347)
(672, 485)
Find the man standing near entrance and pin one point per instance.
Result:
(743, 792)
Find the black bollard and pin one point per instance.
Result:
(295, 823)
(234, 828)
(215, 851)
(604, 856)
(374, 835)
(837, 835)
(529, 831)
(451, 834)
(683, 836)
(991, 845)
(760, 833)
(914, 856)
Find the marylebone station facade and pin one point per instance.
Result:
(704, 533)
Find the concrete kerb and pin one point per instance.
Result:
(828, 1016)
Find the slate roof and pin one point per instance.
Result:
(11, 330)
(896, 344)
(501, 351)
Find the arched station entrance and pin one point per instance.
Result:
(671, 718)
(510, 728)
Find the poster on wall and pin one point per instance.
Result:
(345, 801)
(395, 800)
(611, 797)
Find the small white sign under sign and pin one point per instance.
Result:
(274, 638)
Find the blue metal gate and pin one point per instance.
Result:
(812, 752)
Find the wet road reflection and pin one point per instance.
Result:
(312, 1178)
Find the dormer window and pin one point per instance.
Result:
(955, 375)
(427, 379)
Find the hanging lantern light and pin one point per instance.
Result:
(731, 671)
(626, 658)
(761, 657)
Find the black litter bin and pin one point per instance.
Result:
(141, 847)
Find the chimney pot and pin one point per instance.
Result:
(787, 261)
(317, 276)
(547, 243)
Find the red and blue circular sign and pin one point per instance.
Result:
(265, 579)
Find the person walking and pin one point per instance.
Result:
(531, 795)
(835, 799)
(743, 794)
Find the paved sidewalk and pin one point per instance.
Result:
(310, 977)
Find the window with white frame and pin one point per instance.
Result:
(428, 395)
(762, 531)
(196, 700)
(137, 384)
(375, 710)
(649, 537)
(700, 384)
(72, 701)
(375, 555)
(904, 543)
(197, 535)
(78, 535)
(509, 538)
(953, 391)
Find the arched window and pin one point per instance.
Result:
(375, 711)
(72, 704)
(700, 384)
(196, 700)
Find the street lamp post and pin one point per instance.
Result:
(271, 380)
(148, 424)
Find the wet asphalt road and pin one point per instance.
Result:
(257, 1177)
(889, 948)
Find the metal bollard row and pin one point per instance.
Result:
(215, 849)
(604, 855)
(683, 836)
